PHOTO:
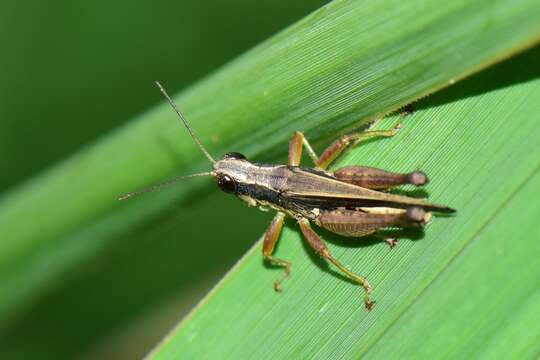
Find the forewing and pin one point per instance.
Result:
(322, 188)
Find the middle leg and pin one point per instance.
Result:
(320, 247)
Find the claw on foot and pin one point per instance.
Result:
(367, 301)
(286, 273)
(391, 242)
(406, 110)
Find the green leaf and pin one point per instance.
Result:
(467, 287)
(338, 68)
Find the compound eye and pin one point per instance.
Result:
(226, 184)
(234, 155)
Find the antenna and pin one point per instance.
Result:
(161, 185)
(183, 118)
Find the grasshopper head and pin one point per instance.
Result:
(230, 171)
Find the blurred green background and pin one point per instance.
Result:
(70, 72)
(97, 279)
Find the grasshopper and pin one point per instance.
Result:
(350, 201)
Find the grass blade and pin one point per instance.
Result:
(452, 292)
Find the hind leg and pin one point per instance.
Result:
(335, 149)
(367, 221)
(378, 179)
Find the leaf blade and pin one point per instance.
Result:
(332, 322)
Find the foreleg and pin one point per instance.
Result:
(270, 239)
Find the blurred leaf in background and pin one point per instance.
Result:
(72, 71)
